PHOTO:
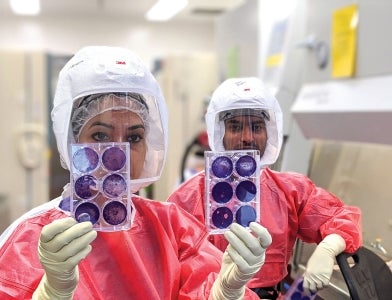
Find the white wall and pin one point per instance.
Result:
(23, 118)
(237, 34)
(65, 36)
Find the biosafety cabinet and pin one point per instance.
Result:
(329, 64)
(342, 115)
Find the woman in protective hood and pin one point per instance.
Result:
(244, 115)
(106, 95)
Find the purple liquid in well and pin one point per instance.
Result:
(114, 159)
(86, 187)
(222, 167)
(245, 214)
(298, 296)
(87, 211)
(245, 191)
(114, 213)
(85, 160)
(222, 192)
(245, 166)
(114, 185)
(222, 217)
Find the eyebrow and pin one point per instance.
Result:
(134, 127)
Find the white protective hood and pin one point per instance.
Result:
(236, 93)
(101, 69)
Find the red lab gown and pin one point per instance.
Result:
(291, 207)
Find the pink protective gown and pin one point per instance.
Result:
(291, 207)
(165, 255)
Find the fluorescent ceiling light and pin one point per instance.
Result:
(280, 10)
(164, 10)
(25, 7)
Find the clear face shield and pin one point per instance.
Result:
(123, 117)
(247, 129)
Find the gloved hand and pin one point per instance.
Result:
(390, 264)
(320, 265)
(62, 245)
(243, 258)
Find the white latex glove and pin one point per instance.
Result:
(320, 265)
(62, 245)
(243, 258)
(390, 264)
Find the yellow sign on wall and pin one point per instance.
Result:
(344, 40)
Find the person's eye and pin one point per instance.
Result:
(235, 128)
(100, 137)
(258, 127)
(134, 138)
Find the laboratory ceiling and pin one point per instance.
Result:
(196, 10)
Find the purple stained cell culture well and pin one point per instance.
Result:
(114, 185)
(245, 191)
(114, 213)
(222, 167)
(86, 187)
(245, 214)
(222, 217)
(245, 166)
(222, 192)
(85, 159)
(87, 211)
(114, 158)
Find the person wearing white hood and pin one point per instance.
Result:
(244, 115)
(106, 94)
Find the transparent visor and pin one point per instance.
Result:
(246, 129)
(123, 117)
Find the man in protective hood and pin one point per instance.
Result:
(244, 115)
(107, 95)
